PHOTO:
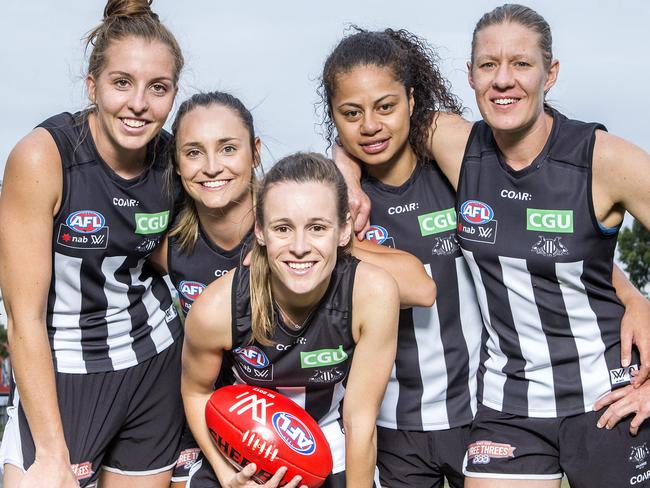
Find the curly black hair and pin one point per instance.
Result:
(412, 61)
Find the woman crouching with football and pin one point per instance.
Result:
(302, 293)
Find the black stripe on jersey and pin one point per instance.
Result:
(144, 346)
(605, 313)
(457, 358)
(314, 404)
(94, 329)
(483, 357)
(51, 299)
(561, 343)
(497, 298)
(406, 363)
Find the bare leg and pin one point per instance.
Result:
(501, 483)
(108, 479)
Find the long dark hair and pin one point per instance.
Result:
(412, 61)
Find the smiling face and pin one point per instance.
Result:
(133, 94)
(371, 110)
(509, 77)
(214, 157)
(302, 234)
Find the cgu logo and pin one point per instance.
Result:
(541, 220)
(191, 289)
(436, 222)
(377, 234)
(154, 223)
(294, 433)
(253, 356)
(322, 357)
(85, 221)
(476, 212)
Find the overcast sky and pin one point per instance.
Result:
(270, 54)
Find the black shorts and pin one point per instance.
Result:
(189, 454)
(127, 421)
(507, 446)
(421, 459)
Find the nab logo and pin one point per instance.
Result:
(85, 221)
(377, 234)
(476, 212)
(191, 289)
(253, 356)
(294, 433)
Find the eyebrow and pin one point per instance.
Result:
(223, 140)
(129, 75)
(379, 100)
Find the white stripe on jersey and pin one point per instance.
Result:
(531, 336)
(67, 334)
(493, 379)
(387, 415)
(594, 373)
(118, 319)
(337, 397)
(160, 333)
(470, 322)
(426, 325)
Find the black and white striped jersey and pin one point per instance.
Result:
(433, 382)
(107, 309)
(192, 271)
(542, 266)
(311, 365)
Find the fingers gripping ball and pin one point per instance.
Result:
(255, 425)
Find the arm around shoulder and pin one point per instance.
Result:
(447, 141)
(621, 180)
(416, 287)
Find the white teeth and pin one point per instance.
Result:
(300, 265)
(133, 123)
(215, 184)
(505, 101)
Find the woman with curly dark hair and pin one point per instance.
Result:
(381, 91)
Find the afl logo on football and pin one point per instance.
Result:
(86, 221)
(294, 433)
(252, 355)
(377, 234)
(191, 289)
(476, 212)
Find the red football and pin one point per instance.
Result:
(255, 425)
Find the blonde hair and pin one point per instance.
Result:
(300, 168)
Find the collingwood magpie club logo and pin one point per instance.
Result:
(550, 247)
(639, 456)
(326, 375)
(444, 246)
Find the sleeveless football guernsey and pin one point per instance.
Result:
(433, 382)
(311, 365)
(542, 266)
(107, 310)
(190, 272)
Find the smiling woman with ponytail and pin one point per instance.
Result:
(93, 333)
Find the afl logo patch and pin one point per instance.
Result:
(191, 289)
(253, 356)
(377, 234)
(476, 212)
(294, 433)
(85, 221)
